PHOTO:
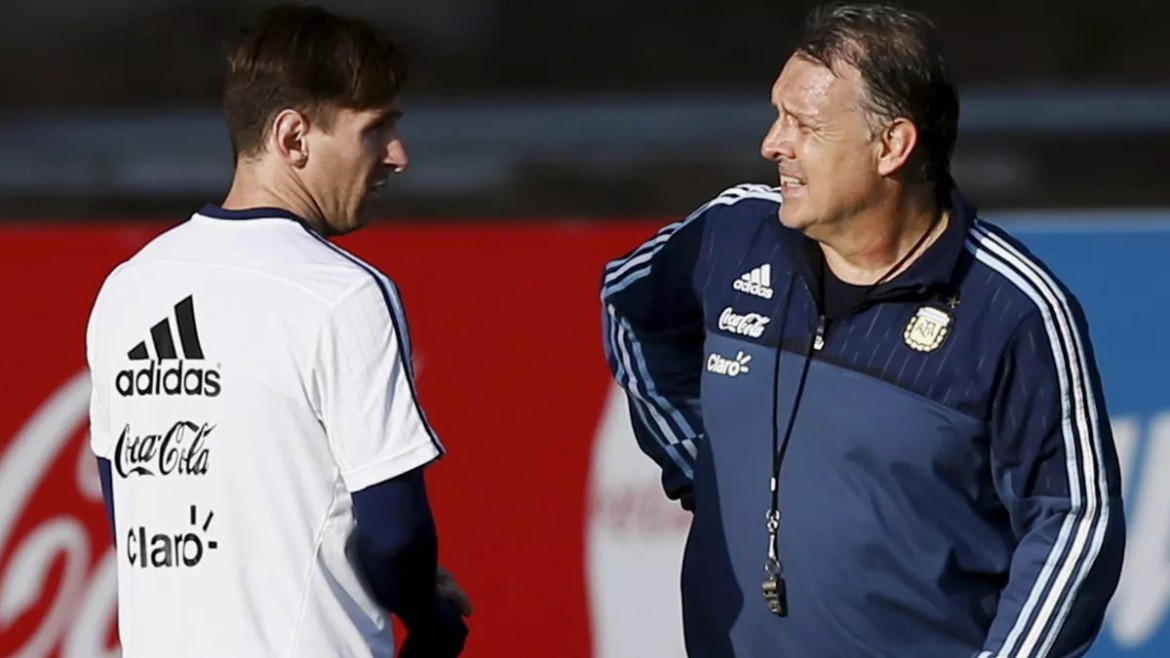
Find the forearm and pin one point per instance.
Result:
(1063, 576)
(398, 549)
(652, 322)
(403, 579)
(105, 475)
(660, 376)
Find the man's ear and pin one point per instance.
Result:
(289, 137)
(897, 145)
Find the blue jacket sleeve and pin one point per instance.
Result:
(1056, 471)
(653, 329)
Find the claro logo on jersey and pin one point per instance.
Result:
(171, 549)
(166, 372)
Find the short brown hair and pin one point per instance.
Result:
(307, 59)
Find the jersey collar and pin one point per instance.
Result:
(214, 211)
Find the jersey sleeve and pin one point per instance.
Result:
(364, 389)
(101, 439)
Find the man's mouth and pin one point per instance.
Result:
(788, 182)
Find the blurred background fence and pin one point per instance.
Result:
(602, 109)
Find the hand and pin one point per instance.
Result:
(448, 588)
(444, 638)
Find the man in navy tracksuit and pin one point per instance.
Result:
(884, 412)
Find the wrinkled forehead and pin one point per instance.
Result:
(806, 85)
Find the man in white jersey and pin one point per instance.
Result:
(253, 409)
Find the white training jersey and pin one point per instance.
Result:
(248, 376)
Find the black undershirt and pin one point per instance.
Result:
(837, 297)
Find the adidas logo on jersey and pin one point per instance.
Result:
(166, 373)
(758, 282)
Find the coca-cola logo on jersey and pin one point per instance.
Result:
(181, 450)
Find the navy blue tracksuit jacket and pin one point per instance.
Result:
(950, 487)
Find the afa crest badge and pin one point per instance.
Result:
(927, 329)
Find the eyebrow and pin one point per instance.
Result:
(803, 116)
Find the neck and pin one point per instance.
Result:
(255, 185)
(869, 247)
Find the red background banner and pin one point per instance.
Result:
(506, 328)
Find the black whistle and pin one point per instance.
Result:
(776, 594)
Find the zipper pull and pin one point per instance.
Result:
(819, 338)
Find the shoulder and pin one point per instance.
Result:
(734, 218)
(357, 272)
(733, 209)
(271, 254)
(746, 201)
(362, 286)
(744, 197)
(1019, 287)
(332, 274)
